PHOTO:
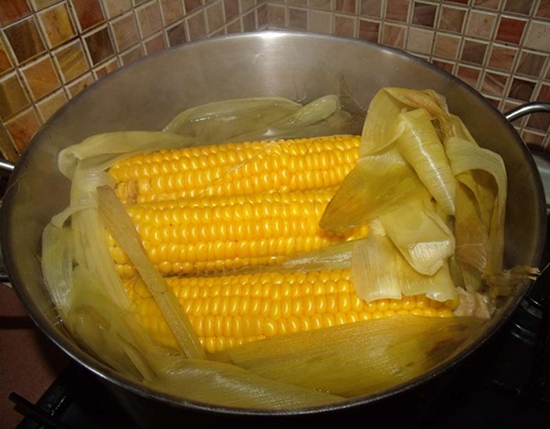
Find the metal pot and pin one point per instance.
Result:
(147, 94)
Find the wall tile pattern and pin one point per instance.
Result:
(50, 50)
(499, 47)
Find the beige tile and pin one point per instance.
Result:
(116, 7)
(276, 15)
(321, 4)
(297, 18)
(131, 55)
(125, 31)
(214, 15)
(155, 44)
(481, 24)
(538, 36)
(249, 22)
(106, 68)
(420, 41)
(172, 11)
(51, 104)
(320, 22)
(394, 35)
(235, 26)
(42, 4)
(246, 5)
(197, 26)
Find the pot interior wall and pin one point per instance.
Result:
(147, 94)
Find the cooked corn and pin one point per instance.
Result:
(230, 310)
(217, 208)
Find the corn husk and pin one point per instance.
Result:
(357, 358)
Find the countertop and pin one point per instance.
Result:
(29, 361)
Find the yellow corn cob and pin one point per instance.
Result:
(230, 310)
(236, 168)
(238, 205)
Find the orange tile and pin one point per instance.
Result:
(451, 19)
(510, 30)
(131, 55)
(25, 39)
(494, 83)
(51, 104)
(13, 10)
(397, 10)
(231, 8)
(249, 22)
(531, 64)
(236, 27)
(13, 97)
(345, 6)
(88, 12)
(71, 60)
(191, 5)
(446, 46)
(521, 89)
(394, 35)
(196, 24)
(100, 45)
(543, 9)
(56, 24)
(155, 44)
(176, 35)
(116, 7)
(80, 84)
(41, 77)
(344, 26)
(469, 75)
(23, 127)
(473, 52)
(126, 31)
(369, 30)
(214, 16)
(149, 19)
(5, 61)
(106, 68)
(261, 13)
(502, 57)
(276, 15)
(443, 65)
(424, 14)
(172, 11)
(481, 24)
(42, 4)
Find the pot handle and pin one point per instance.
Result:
(527, 109)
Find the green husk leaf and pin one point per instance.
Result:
(379, 271)
(421, 236)
(230, 386)
(466, 157)
(378, 184)
(356, 358)
(119, 223)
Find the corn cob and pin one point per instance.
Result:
(216, 208)
(230, 310)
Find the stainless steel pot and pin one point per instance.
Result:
(145, 95)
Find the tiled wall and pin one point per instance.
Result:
(52, 49)
(499, 47)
